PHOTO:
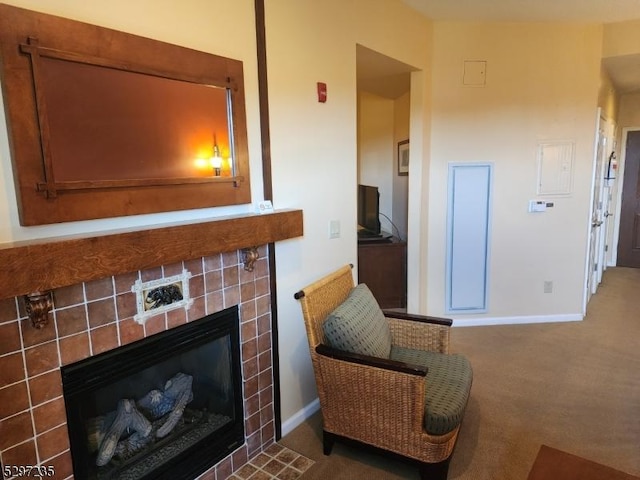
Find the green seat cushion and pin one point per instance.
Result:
(448, 380)
(358, 325)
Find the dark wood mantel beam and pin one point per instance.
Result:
(42, 265)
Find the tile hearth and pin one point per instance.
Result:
(274, 463)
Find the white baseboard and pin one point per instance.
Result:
(521, 320)
(300, 416)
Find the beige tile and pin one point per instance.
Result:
(287, 456)
(289, 474)
(261, 460)
(260, 475)
(274, 449)
(246, 471)
(302, 463)
(274, 467)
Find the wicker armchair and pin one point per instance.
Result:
(380, 402)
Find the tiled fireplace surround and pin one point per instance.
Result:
(97, 316)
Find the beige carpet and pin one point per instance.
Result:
(573, 386)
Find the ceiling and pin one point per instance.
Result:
(381, 75)
(389, 78)
(591, 11)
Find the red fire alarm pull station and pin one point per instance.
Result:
(322, 92)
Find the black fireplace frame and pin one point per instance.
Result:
(125, 361)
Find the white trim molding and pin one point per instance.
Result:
(519, 320)
(160, 296)
(300, 416)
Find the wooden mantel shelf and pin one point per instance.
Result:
(45, 264)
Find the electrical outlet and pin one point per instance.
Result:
(548, 286)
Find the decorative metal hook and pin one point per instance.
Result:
(251, 255)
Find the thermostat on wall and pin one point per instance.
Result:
(536, 206)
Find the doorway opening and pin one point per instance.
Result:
(384, 101)
(628, 250)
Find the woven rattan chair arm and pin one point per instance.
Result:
(419, 335)
(366, 360)
(418, 318)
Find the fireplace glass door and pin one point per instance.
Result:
(168, 406)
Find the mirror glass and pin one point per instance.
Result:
(115, 125)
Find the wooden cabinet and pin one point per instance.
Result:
(382, 265)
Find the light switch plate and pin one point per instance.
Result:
(334, 229)
(264, 207)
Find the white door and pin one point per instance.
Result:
(598, 216)
(607, 189)
(597, 232)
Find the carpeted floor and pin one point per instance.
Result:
(573, 386)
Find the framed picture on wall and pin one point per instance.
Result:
(403, 157)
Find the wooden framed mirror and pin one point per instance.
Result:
(104, 123)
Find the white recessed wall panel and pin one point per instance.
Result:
(469, 209)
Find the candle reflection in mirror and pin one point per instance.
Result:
(216, 159)
(213, 159)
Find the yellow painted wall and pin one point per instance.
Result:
(608, 98)
(382, 123)
(375, 149)
(401, 126)
(313, 145)
(541, 85)
(629, 116)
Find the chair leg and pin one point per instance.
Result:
(435, 471)
(328, 439)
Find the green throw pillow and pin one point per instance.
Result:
(358, 325)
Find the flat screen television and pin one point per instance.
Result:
(368, 211)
